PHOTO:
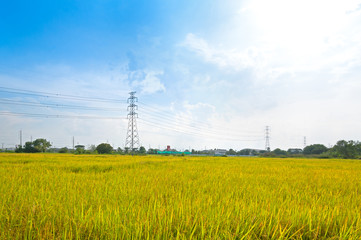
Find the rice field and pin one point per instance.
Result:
(64, 196)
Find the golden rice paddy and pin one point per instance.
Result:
(64, 196)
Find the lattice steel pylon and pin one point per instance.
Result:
(304, 142)
(132, 139)
(267, 131)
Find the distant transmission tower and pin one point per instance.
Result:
(132, 140)
(304, 142)
(21, 138)
(267, 132)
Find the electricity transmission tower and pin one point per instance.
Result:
(132, 140)
(267, 131)
(21, 138)
(304, 142)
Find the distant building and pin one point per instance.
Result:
(220, 152)
(173, 153)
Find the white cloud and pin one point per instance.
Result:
(224, 58)
(302, 66)
(150, 82)
(196, 112)
(289, 41)
(285, 38)
(306, 35)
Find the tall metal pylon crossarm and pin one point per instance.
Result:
(132, 139)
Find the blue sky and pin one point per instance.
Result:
(208, 75)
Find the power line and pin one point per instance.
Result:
(151, 112)
(87, 117)
(199, 127)
(194, 133)
(55, 115)
(148, 109)
(174, 124)
(50, 105)
(56, 95)
(161, 119)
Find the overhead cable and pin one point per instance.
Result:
(53, 105)
(56, 115)
(56, 95)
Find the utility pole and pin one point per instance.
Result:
(73, 143)
(132, 139)
(267, 132)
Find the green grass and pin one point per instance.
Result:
(55, 196)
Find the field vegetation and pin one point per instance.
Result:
(65, 196)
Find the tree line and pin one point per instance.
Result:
(342, 149)
(42, 145)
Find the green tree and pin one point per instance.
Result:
(30, 148)
(244, 152)
(279, 151)
(345, 149)
(231, 152)
(315, 149)
(152, 151)
(79, 150)
(41, 144)
(142, 150)
(63, 150)
(358, 147)
(19, 149)
(104, 148)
